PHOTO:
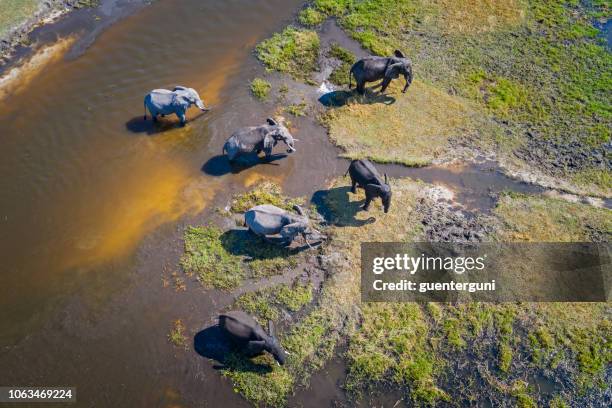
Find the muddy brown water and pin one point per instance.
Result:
(93, 199)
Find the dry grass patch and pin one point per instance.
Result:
(414, 130)
(477, 16)
(542, 219)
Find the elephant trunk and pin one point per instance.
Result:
(200, 105)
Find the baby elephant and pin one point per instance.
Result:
(255, 139)
(245, 333)
(364, 174)
(264, 220)
(372, 69)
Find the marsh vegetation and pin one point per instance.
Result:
(522, 81)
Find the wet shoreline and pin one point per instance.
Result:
(60, 20)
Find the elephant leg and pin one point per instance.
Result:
(354, 186)
(366, 205)
(255, 347)
(361, 87)
(268, 153)
(385, 83)
(154, 116)
(182, 117)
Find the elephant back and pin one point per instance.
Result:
(240, 326)
(265, 219)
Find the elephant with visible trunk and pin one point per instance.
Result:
(244, 332)
(372, 69)
(364, 174)
(164, 102)
(255, 139)
(266, 219)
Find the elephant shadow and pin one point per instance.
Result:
(337, 209)
(219, 165)
(139, 125)
(242, 242)
(341, 98)
(212, 343)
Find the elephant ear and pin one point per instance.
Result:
(393, 70)
(398, 54)
(181, 100)
(373, 189)
(268, 141)
(271, 122)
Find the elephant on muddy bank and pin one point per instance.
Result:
(364, 174)
(372, 69)
(255, 139)
(164, 102)
(247, 335)
(264, 220)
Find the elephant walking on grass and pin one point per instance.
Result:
(164, 102)
(264, 220)
(372, 69)
(255, 139)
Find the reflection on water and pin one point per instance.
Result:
(83, 177)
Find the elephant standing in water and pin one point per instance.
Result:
(372, 69)
(164, 102)
(255, 139)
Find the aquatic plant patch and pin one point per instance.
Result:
(293, 51)
(260, 88)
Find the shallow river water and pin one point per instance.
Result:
(93, 199)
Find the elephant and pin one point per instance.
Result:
(255, 139)
(244, 332)
(164, 102)
(364, 174)
(372, 69)
(266, 219)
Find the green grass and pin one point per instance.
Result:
(223, 262)
(223, 259)
(411, 129)
(340, 74)
(177, 334)
(297, 110)
(260, 88)
(15, 12)
(412, 347)
(264, 193)
(541, 219)
(206, 256)
(267, 304)
(311, 17)
(293, 51)
(528, 65)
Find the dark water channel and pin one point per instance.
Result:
(93, 199)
